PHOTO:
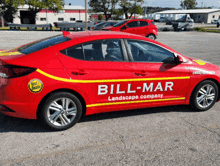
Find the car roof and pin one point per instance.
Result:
(74, 35)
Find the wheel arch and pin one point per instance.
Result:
(151, 34)
(208, 79)
(62, 90)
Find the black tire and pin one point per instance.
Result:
(198, 100)
(151, 36)
(58, 98)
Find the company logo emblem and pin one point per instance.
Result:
(35, 85)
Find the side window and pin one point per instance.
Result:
(74, 52)
(143, 23)
(103, 50)
(93, 51)
(100, 50)
(132, 24)
(147, 52)
(112, 50)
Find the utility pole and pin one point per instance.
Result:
(86, 15)
(2, 21)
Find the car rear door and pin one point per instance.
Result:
(100, 69)
(142, 28)
(159, 81)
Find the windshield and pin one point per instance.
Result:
(119, 24)
(100, 24)
(41, 44)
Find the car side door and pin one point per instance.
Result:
(100, 69)
(131, 27)
(159, 80)
(142, 28)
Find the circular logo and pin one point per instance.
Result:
(35, 85)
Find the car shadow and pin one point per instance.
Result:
(10, 124)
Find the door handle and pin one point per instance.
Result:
(140, 73)
(80, 72)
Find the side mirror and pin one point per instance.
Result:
(179, 59)
(124, 27)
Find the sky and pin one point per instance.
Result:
(159, 3)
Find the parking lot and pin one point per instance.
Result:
(174, 135)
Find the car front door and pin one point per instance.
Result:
(101, 70)
(158, 79)
(131, 27)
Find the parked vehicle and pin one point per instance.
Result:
(183, 23)
(162, 19)
(215, 21)
(104, 24)
(141, 27)
(59, 79)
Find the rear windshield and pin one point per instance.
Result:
(119, 24)
(41, 44)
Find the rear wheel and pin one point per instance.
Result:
(151, 36)
(204, 95)
(61, 111)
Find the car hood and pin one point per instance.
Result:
(202, 66)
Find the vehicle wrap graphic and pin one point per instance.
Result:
(132, 102)
(109, 80)
(35, 85)
(151, 87)
(9, 53)
(200, 62)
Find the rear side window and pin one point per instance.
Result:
(41, 44)
(100, 50)
(74, 52)
(143, 23)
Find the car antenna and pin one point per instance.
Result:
(65, 33)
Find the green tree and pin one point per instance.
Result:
(188, 4)
(100, 17)
(105, 6)
(9, 8)
(132, 7)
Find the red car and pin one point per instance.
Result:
(61, 78)
(141, 27)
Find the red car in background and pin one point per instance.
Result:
(61, 78)
(141, 27)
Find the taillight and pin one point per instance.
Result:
(12, 71)
(92, 28)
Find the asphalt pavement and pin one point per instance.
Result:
(174, 135)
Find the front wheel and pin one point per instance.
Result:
(204, 95)
(61, 111)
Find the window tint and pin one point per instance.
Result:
(119, 24)
(100, 50)
(103, 50)
(41, 44)
(74, 52)
(132, 24)
(143, 23)
(147, 52)
(112, 50)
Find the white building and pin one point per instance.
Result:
(198, 15)
(69, 14)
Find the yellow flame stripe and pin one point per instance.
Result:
(200, 62)
(113, 80)
(9, 53)
(132, 102)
